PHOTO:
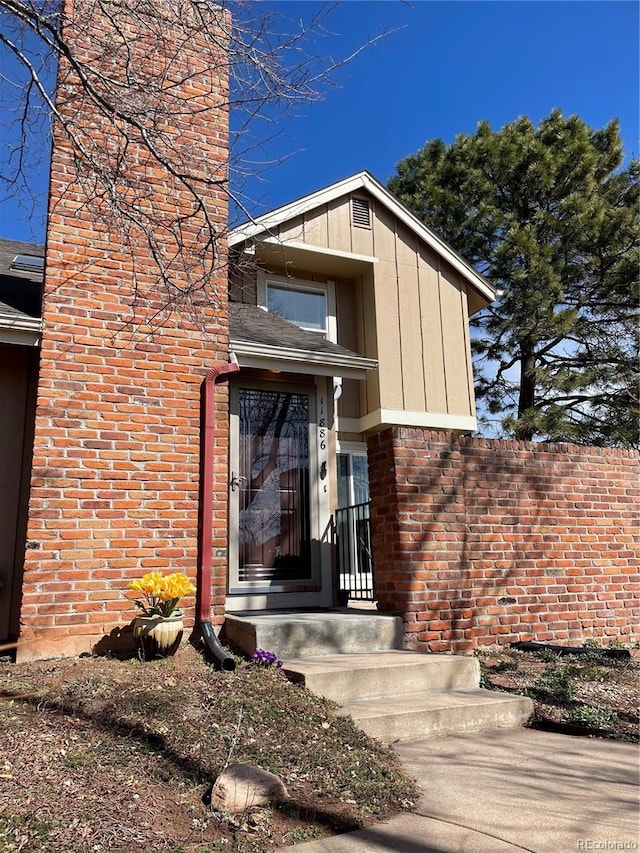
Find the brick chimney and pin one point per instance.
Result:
(134, 317)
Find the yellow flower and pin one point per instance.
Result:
(149, 584)
(161, 593)
(175, 586)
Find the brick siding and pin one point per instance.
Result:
(115, 477)
(478, 542)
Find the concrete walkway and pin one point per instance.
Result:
(509, 790)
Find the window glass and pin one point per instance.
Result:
(353, 479)
(305, 308)
(360, 471)
(274, 510)
(344, 484)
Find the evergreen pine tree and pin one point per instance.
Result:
(549, 215)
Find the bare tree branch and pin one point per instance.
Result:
(136, 105)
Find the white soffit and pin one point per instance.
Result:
(382, 418)
(291, 253)
(364, 180)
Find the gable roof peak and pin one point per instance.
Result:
(303, 204)
(269, 222)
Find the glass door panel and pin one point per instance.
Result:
(272, 487)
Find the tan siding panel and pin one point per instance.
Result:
(455, 349)
(406, 245)
(292, 230)
(346, 314)
(411, 337)
(464, 296)
(338, 225)
(384, 237)
(436, 394)
(274, 268)
(361, 240)
(346, 309)
(368, 342)
(349, 402)
(243, 286)
(316, 227)
(388, 335)
(236, 287)
(385, 388)
(284, 271)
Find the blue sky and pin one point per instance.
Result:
(447, 66)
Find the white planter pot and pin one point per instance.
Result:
(158, 636)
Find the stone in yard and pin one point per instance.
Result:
(245, 785)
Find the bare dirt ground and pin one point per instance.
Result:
(591, 695)
(100, 755)
(105, 755)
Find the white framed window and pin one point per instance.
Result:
(309, 304)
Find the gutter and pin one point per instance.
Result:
(20, 329)
(217, 374)
(332, 360)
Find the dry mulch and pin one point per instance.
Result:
(592, 696)
(106, 755)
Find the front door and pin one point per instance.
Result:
(274, 544)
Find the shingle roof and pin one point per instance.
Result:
(254, 325)
(20, 296)
(20, 290)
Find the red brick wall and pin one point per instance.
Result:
(114, 489)
(479, 541)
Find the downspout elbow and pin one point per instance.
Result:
(217, 374)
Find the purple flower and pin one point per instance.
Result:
(262, 658)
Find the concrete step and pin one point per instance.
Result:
(399, 695)
(343, 678)
(354, 658)
(295, 634)
(422, 715)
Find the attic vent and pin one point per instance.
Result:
(361, 212)
(27, 263)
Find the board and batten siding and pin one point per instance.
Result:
(421, 325)
(409, 311)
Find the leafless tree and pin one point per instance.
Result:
(273, 68)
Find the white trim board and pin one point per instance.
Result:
(24, 331)
(383, 418)
(318, 250)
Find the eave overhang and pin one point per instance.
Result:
(20, 329)
(288, 360)
(293, 255)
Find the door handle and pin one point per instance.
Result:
(236, 482)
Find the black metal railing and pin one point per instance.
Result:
(353, 546)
